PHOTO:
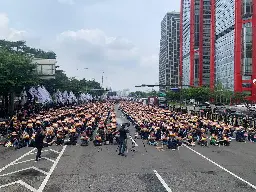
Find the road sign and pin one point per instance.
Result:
(162, 94)
(175, 89)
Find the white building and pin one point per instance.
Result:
(45, 67)
(169, 50)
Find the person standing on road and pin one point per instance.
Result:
(122, 140)
(39, 142)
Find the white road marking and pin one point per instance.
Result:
(41, 188)
(36, 152)
(168, 189)
(9, 184)
(19, 162)
(24, 170)
(10, 164)
(136, 145)
(40, 170)
(27, 186)
(46, 158)
(54, 151)
(21, 183)
(223, 168)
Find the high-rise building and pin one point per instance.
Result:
(169, 50)
(233, 45)
(195, 25)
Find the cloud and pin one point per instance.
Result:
(69, 2)
(119, 58)
(150, 61)
(94, 46)
(121, 61)
(9, 33)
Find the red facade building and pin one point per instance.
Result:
(241, 23)
(218, 44)
(195, 42)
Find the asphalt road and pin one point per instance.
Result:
(147, 169)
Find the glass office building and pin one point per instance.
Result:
(195, 42)
(233, 46)
(169, 51)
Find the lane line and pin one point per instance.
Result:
(23, 161)
(168, 189)
(54, 151)
(10, 164)
(42, 186)
(9, 184)
(36, 152)
(136, 145)
(16, 171)
(46, 158)
(223, 168)
(40, 170)
(27, 185)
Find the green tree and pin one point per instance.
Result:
(173, 96)
(64, 83)
(16, 72)
(20, 46)
(138, 94)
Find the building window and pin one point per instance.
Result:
(247, 9)
(247, 85)
(247, 49)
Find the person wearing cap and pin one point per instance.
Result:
(84, 139)
(98, 140)
(172, 142)
(39, 142)
(240, 134)
(73, 136)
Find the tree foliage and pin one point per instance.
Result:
(21, 47)
(64, 83)
(141, 94)
(199, 94)
(16, 72)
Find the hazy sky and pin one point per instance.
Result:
(119, 37)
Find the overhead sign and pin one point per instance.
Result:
(175, 89)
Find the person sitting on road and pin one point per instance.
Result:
(97, 141)
(26, 139)
(240, 134)
(203, 140)
(49, 137)
(13, 141)
(189, 140)
(214, 140)
(224, 140)
(251, 135)
(60, 137)
(72, 137)
(172, 142)
(84, 139)
(152, 139)
(164, 139)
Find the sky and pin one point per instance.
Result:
(116, 39)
